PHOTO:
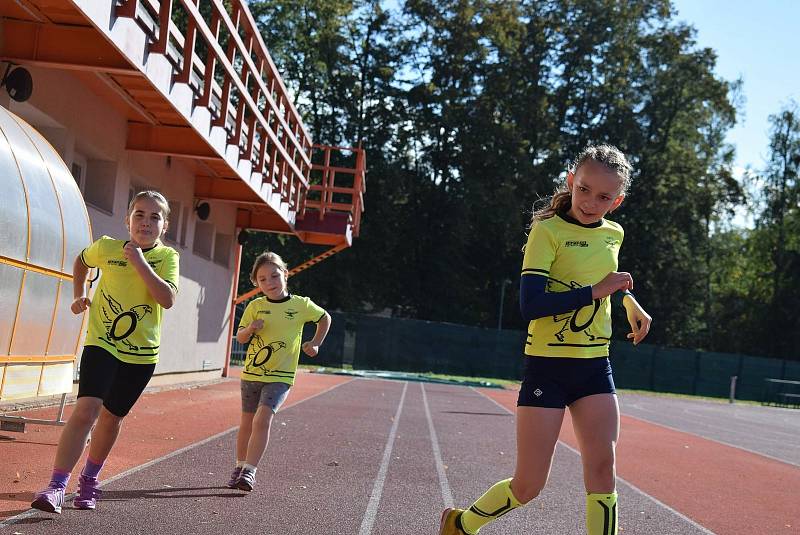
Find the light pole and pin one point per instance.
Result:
(502, 300)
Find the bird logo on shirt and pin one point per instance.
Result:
(120, 323)
(262, 352)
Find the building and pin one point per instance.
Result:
(141, 94)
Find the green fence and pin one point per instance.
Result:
(377, 343)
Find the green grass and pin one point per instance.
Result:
(511, 384)
(505, 383)
(685, 396)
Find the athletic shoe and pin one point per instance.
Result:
(450, 524)
(88, 493)
(49, 500)
(247, 480)
(234, 477)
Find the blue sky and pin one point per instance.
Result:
(758, 41)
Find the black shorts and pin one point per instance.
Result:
(557, 382)
(119, 384)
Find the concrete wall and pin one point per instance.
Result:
(90, 130)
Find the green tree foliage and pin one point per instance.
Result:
(759, 269)
(470, 111)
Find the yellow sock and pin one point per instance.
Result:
(601, 514)
(494, 503)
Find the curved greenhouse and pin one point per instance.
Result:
(43, 227)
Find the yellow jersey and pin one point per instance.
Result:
(274, 350)
(124, 319)
(572, 255)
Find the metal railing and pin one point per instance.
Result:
(346, 195)
(252, 104)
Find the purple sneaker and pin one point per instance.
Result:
(49, 500)
(88, 493)
(234, 477)
(246, 481)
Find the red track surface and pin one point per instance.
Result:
(725, 489)
(161, 422)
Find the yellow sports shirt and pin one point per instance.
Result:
(274, 350)
(124, 319)
(572, 255)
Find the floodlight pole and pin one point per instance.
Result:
(502, 301)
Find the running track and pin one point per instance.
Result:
(359, 456)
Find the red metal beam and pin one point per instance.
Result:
(65, 47)
(297, 269)
(260, 220)
(169, 140)
(221, 189)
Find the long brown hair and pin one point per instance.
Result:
(267, 258)
(608, 155)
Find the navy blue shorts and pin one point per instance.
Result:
(119, 384)
(557, 382)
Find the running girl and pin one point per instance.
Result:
(569, 273)
(139, 280)
(273, 326)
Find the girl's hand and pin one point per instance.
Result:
(639, 320)
(133, 253)
(256, 325)
(613, 282)
(80, 304)
(310, 349)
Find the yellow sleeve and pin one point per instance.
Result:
(314, 312)
(92, 255)
(540, 251)
(169, 269)
(247, 317)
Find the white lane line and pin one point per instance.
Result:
(646, 495)
(30, 512)
(630, 485)
(447, 495)
(380, 479)
(712, 439)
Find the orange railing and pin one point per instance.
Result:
(253, 104)
(339, 188)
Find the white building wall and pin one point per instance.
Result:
(89, 131)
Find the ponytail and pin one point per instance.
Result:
(561, 201)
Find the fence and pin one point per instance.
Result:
(376, 343)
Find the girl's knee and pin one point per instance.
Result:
(109, 421)
(85, 416)
(263, 416)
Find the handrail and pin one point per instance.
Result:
(328, 186)
(289, 159)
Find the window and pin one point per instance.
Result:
(100, 183)
(184, 224)
(203, 239)
(222, 249)
(79, 172)
(174, 221)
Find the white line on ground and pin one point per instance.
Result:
(447, 495)
(718, 441)
(31, 512)
(630, 485)
(380, 479)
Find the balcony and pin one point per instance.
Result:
(199, 84)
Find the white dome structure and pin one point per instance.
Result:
(43, 226)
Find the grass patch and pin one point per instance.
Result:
(509, 384)
(503, 383)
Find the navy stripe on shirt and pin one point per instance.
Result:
(535, 302)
